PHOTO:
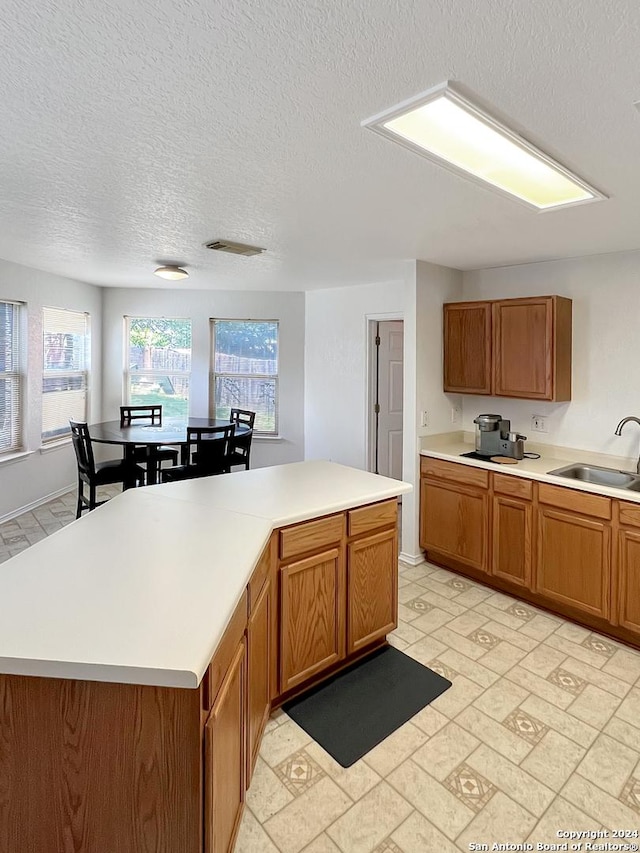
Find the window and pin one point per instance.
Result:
(158, 366)
(65, 376)
(245, 370)
(10, 378)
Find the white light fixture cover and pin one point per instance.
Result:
(445, 127)
(171, 273)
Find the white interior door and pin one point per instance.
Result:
(388, 432)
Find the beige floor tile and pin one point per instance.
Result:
(370, 820)
(435, 618)
(449, 605)
(431, 799)
(418, 835)
(553, 760)
(461, 694)
(266, 795)
(511, 779)
(297, 824)
(393, 750)
(575, 650)
(541, 687)
(439, 588)
(629, 709)
(252, 838)
(397, 643)
(445, 750)
(502, 616)
(540, 627)
(470, 668)
(594, 706)
(472, 597)
(516, 638)
(502, 658)
(625, 665)
(572, 632)
(596, 803)
(467, 622)
(598, 677)
(500, 601)
(409, 592)
(415, 573)
(425, 650)
(581, 733)
(283, 742)
(407, 614)
(461, 644)
(543, 660)
(408, 632)
(624, 732)
(429, 720)
(501, 699)
(492, 733)
(322, 844)
(561, 815)
(354, 781)
(501, 818)
(608, 764)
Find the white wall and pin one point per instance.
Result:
(38, 475)
(199, 306)
(605, 290)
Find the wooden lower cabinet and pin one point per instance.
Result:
(511, 541)
(372, 584)
(454, 522)
(573, 563)
(259, 667)
(225, 759)
(312, 621)
(629, 579)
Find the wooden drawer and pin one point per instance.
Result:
(367, 518)
(259, 576)
(575, 501)
(221, 661)
(517, 487)
(454, 471)
(629, 514)
(311, 535)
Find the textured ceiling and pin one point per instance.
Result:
(131, 133)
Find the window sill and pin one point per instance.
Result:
(55, 445)
(10, 458)
(268, 437)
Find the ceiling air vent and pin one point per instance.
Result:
(234, 248)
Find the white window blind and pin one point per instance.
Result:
(244, 371)
(10, 378)
(65, 379)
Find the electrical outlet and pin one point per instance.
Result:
(456, 414)
(539, 423)
(424, 419)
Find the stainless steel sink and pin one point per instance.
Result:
(600, 476)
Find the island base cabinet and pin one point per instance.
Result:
(573, 560)
(312, 608)
(511, 541)
(629, 579)
(225, 759)
(259, 667)
(372, 582)
(454, 522)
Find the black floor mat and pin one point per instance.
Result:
(356, 709)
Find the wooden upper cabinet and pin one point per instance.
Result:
(509, 348)
(532, 348)
(467, 347)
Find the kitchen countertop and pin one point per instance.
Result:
(450, 446)
(140, 590)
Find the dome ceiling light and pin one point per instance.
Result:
(171, 273)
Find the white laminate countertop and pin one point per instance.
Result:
(451, 446)
(140, 590)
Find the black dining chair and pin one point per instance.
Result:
(144, 454)
(241, 447)
(98, 474)
(208, 453)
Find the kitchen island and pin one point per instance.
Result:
(143, 646)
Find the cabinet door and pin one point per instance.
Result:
(454, 522)
(259, 660)
(372, 588)
(629, 579)
(467, 347)
(523, 348)
(225, 759)
(512, 540)
(312, 616)
(573, 564)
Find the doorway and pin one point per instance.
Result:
(386, 344)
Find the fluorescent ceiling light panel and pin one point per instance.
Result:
(447, 128)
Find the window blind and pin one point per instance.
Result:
(10, 378)
(65, 378)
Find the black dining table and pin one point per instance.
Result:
(169, 432)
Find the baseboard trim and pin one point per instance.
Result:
(35, 504)
(411, 559)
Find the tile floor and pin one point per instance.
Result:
(539, 733)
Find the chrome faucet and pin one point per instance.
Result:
(619, 432)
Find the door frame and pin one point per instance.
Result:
(370, 385)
